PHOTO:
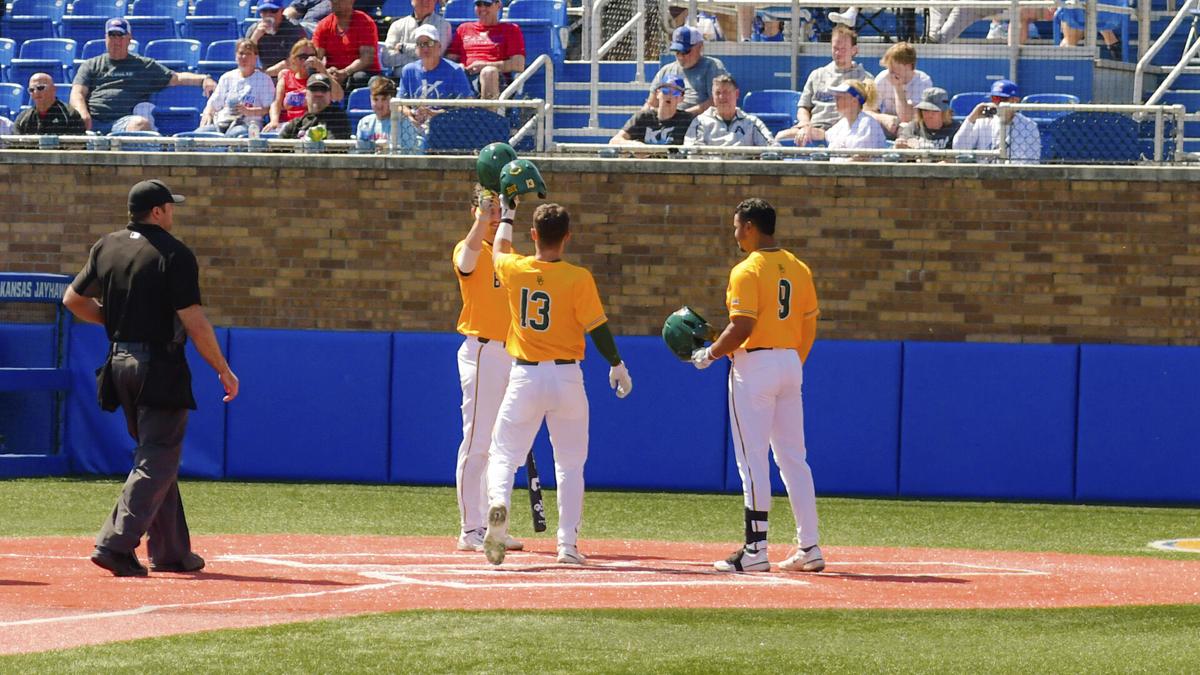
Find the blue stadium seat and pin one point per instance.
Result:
(178, 54)
(775, 107)
(460, 129)
(11, 96)
(55, 56)
(86, 19)
(459, 10)
(1049, 116)
(208, 29)
(179, 97)
(176, 9)
(238, 9)
(178, 109)
(554, 11)
(31, 19)
(151, 28)
(358, 105)
(396, 8)
(1094, 137)
(962, 104)
(8, 49)
(219, 58)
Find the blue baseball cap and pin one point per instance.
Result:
(685, 37)
(117, 25)
(670, 80)
(847, 88)
(1005, 89)
(268, 5)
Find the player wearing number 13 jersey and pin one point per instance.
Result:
(552, 304)
(773, 320)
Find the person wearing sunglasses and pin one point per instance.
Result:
(431, 77)
(400, 47)
(697, 70)
(491, 51)
(292, 87)
(981, 130)
(111, 92)
(47, 115)
(274, 34)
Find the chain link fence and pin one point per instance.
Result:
(617, 13)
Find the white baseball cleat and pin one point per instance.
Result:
(846, 18)
(570, 555)
(497, 534)
(511, 544)
(804, 560)
(471, 540)
(745, 561)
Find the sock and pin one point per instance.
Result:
(756, 531)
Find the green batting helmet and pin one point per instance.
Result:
(519, 177)
(490, 164)
(685, 331)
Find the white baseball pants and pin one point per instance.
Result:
(766, 410)
(553, 392)
(483, 373)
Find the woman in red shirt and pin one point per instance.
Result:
(290, 90)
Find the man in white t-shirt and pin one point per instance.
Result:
(899, 88)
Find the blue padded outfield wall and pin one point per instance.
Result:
(914, 419)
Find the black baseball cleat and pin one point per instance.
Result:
(190, 563)
(120, 564)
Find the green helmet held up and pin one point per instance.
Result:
(519, 177)
(685, 331)
(490, 164)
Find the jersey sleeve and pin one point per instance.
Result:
(743, 293)
(87, 283)
(588, 309)
(505, 265)
(183, 280)
(454, 258)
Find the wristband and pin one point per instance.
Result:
(504, 231)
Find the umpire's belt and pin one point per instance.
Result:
(560, 362)
(145, 347)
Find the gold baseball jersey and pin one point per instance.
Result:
(552, 305)
(776, 290)
(485, 308)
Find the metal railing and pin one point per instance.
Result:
(593, 13)
(537, 124)
(1144, 63)
(543, 118)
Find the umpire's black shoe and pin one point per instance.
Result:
(120, 564)
(190, 563)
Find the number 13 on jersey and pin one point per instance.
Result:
(535, 309)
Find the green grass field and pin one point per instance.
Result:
(1135, 639)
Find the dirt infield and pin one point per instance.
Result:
(51, 597)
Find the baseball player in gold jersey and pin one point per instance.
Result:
(772, 324)
(552, 304)
(483, 365)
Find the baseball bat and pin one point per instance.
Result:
(536, 507)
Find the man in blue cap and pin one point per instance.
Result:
(274, 34)
(111, 92)
(664, 124)
(696, 69)
(981, 130)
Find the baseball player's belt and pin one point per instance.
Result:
(560, 362)
(761, 349)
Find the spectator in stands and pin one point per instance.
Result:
(945, 26)
(490, 51)
(109, 89)
(319, 111)
(274, 36)
(726, 124)
(899, 87)
(349, 41)
(378, 125)
(431, 77)
(696, 69)
(666, 124)
(1073, 22)
(934, 127)
(400, 48)
(308, 13)
(6, 126)
(242, 98)
(47, 115)
(817, 111)
(292, 87)
(981, 129)
(855, 129)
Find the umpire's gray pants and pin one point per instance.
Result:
(149, 503)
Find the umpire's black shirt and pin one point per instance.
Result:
(142, 275)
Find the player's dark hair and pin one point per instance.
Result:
(552, 223)
(724, 78)
(757, 211)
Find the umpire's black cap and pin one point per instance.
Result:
(149, 194)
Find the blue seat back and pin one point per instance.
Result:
(554, 11)
(176, 9)
(221, 50)
(147, 29)
(238, 9)
(179, 97)
(104, 8)
(8, 50)
(1094, 137)
(396, 8)
(82, 28)
(23, 69)
(208, 29)
(779, 101)
(1051, 98)
(460, 129)
(59, 49)
(10, 99)
(175, 51)
(360, 99)
(459, 10)
(54, 9)
(962, 104)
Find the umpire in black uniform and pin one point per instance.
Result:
(143, 286)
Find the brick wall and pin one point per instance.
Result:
(1031, 254)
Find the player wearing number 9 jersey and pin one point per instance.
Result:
(773, 320)
(483, 365)
(552, 304)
